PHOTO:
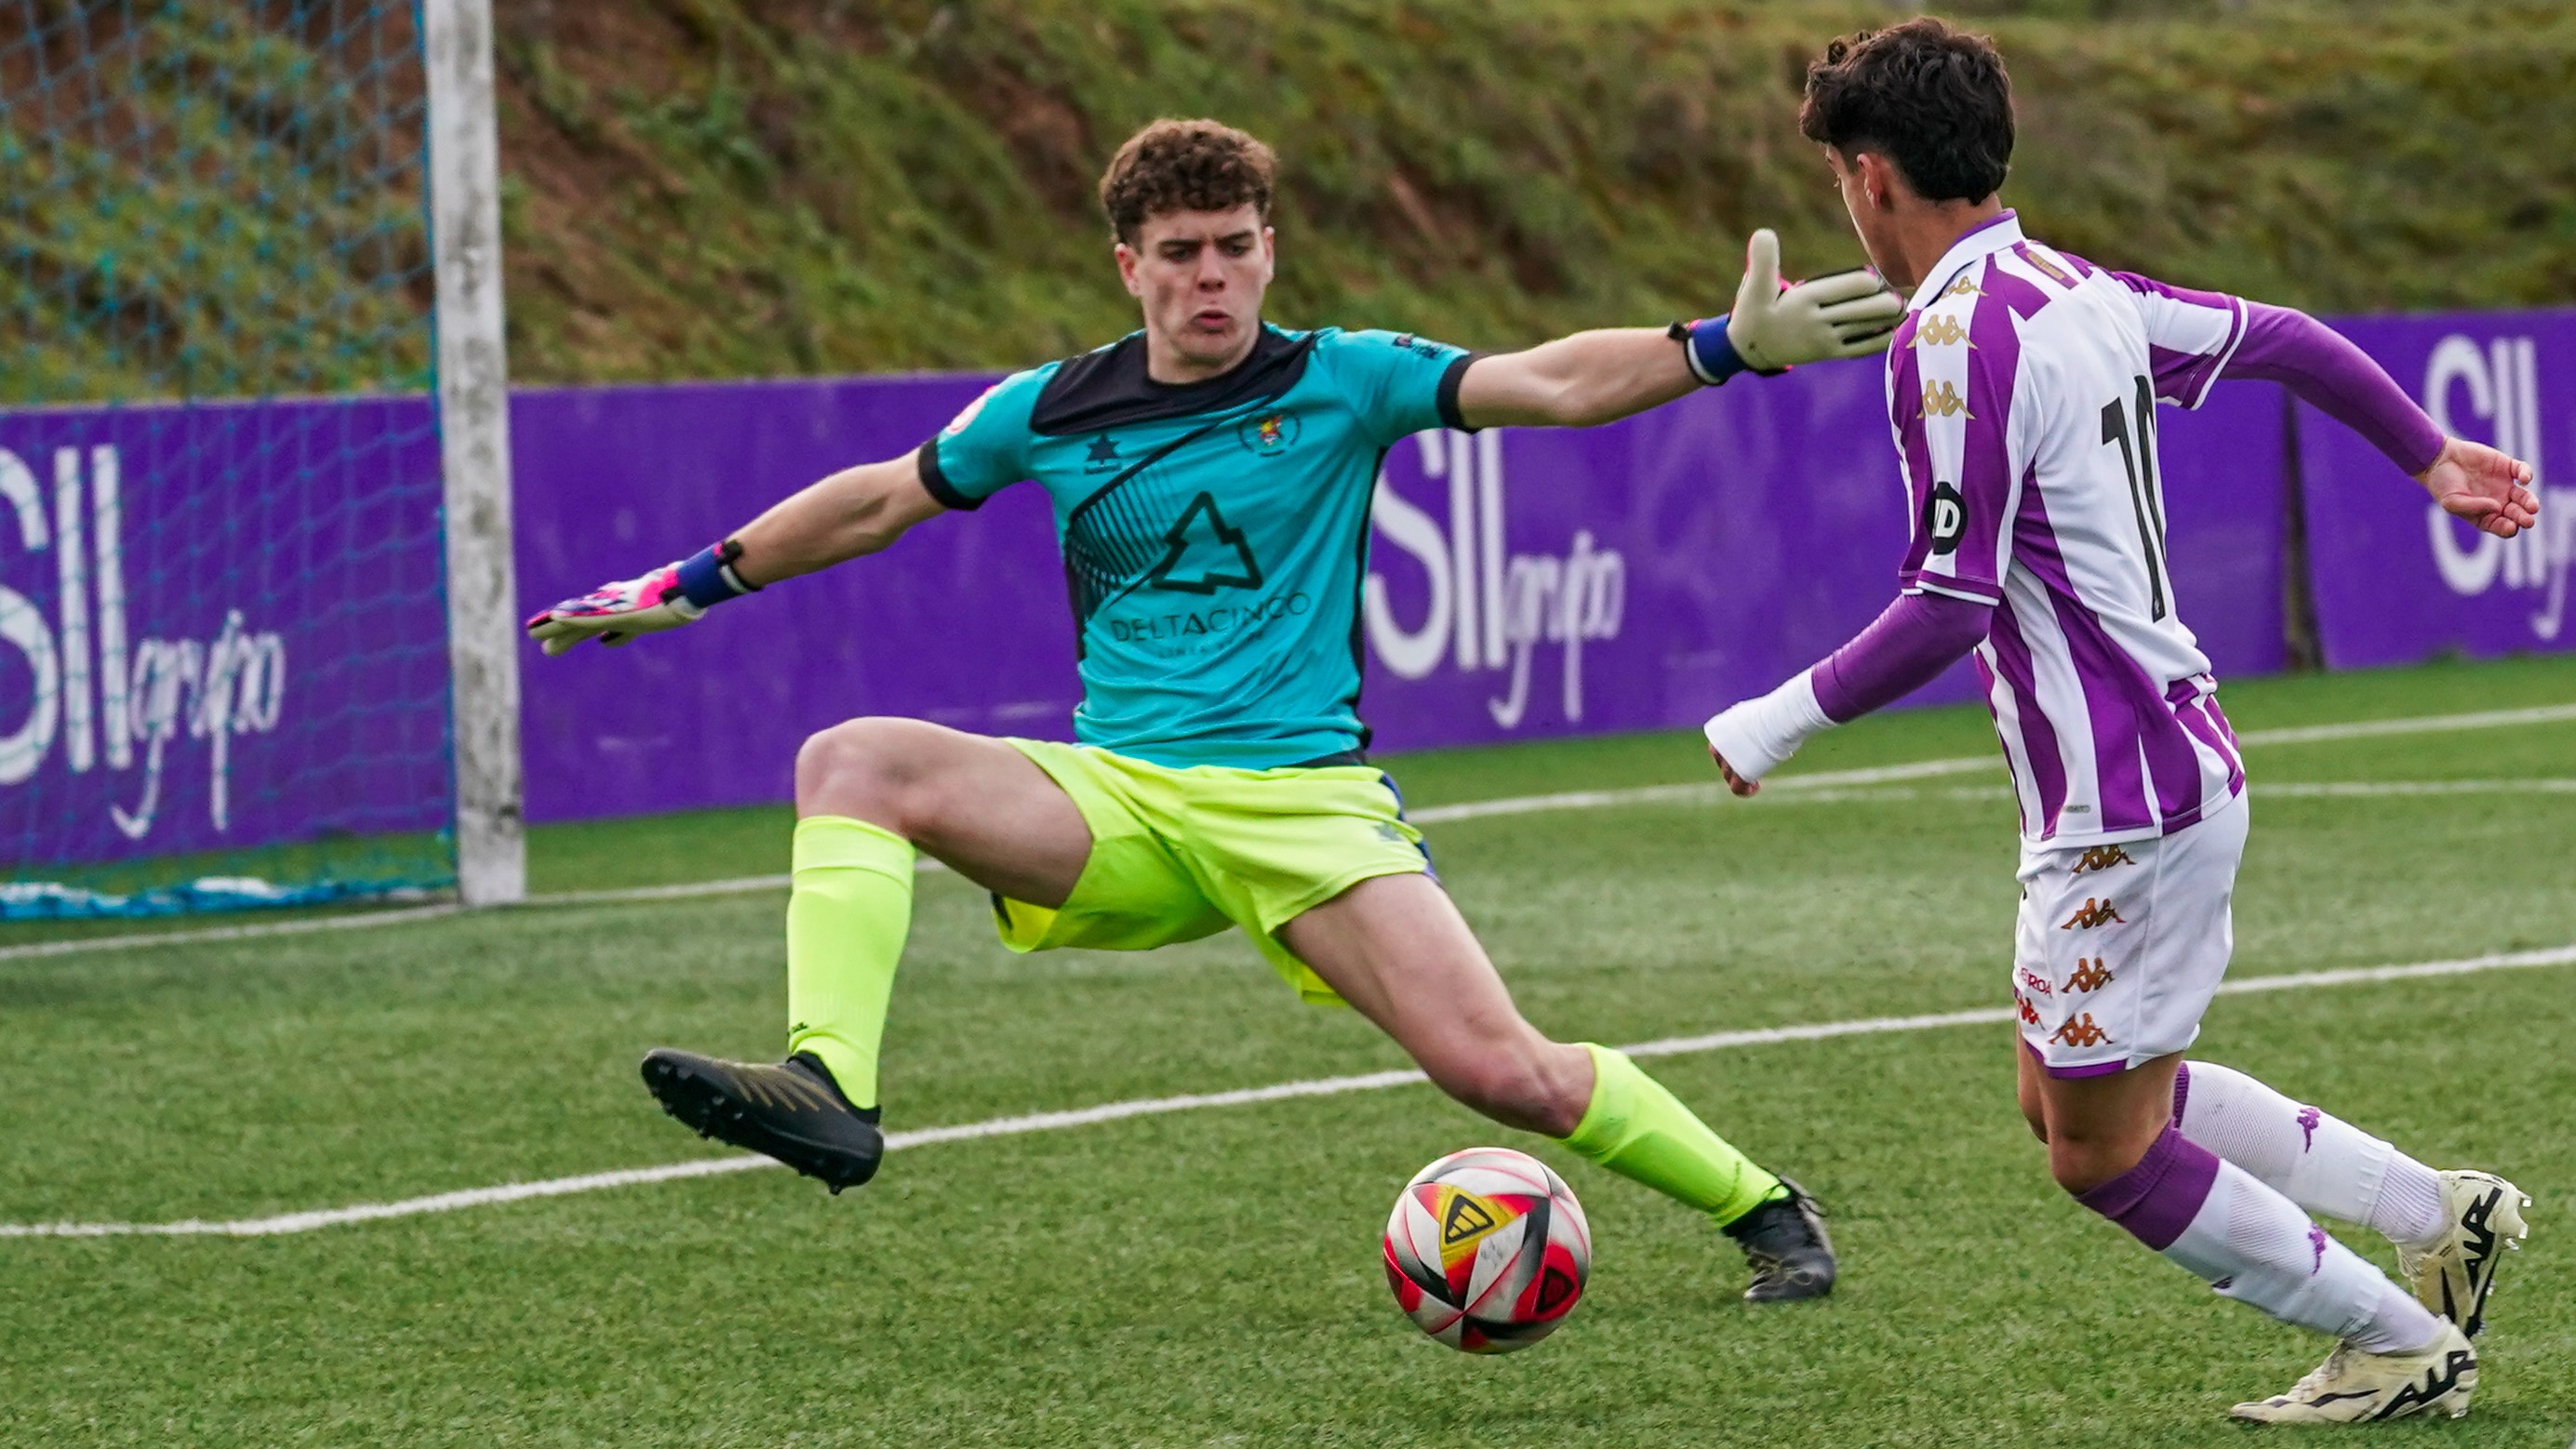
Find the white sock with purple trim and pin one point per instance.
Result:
(2250, 1243)
(2320, 1162)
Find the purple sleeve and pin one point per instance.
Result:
(2327, 371)
(1919, 636)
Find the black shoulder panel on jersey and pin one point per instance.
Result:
(1109, 388)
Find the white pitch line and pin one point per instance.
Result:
(1825, 782)
(305, 1222)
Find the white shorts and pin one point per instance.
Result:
(2120, 947)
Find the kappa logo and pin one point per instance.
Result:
(2089, 975)
(2318, 1240)
(1941, 400)
(2029, 1013)
(1268, 435)
(2093, 913)
(2101, 857)
(2310, 1119)
(1942, 330)
(1965, 286)
(2082, 1031)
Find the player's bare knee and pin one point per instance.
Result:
(2081, 1165)
(859, 768)
(2034, 1112)
(1513, 1089)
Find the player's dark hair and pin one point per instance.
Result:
(1932, 99)
(1185, 166)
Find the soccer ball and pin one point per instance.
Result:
(1487, 1250)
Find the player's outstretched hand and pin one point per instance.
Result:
(1743, 788)
(615, 613)
(2475, 482)
(1843, 314)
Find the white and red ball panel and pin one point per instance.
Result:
(1487, 1250)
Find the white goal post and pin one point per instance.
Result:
(474, 445)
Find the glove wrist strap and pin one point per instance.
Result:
(1709, 351)
(707, 577)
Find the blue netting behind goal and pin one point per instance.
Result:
(223, 668)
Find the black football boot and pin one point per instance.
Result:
(792, 1111)
(1784, 1240)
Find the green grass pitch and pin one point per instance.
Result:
(1210, 1277)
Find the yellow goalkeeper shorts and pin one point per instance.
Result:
(1181, 854)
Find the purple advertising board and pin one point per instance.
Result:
(1523, 582)
(2395, 579)
(222, 625)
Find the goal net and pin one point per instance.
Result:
(225, 673)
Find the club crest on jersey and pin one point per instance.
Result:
(1268, 435)
(1942, 400)
(1942, 330)
(1945, 518)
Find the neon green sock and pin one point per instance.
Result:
(1640, 1131)
(847, 913)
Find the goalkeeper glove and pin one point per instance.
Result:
(1776, 326)
(672, 595)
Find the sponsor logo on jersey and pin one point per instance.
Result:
(2093, 913)
(1103, 456)
(2090, 975)
(1204, 553)
(2101, 857)
(1419, 346)
(1945, 518)
(1942, 330)
(1268, 435)
(2082, 1031)
(1205, 623)
(1942, 400)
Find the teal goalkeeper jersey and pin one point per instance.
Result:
(1215, 534)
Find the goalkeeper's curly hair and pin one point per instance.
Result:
(1185, 166)
(1931, 98)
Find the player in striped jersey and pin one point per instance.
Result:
(2022, 388)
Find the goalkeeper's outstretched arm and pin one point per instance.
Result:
(1602, 376)
(853, 512)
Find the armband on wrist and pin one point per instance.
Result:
(1705, 347)
(707, 577)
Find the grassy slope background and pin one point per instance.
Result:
(710, 188)
(748, 187)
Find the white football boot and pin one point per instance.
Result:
(2452, 1276)
(2353, 1387)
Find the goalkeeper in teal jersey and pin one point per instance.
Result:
(1211, 477)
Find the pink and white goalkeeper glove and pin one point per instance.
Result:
(668, 597)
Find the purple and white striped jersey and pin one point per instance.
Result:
(2022, 388)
